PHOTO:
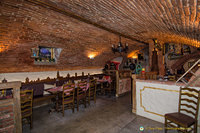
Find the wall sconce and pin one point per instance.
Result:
(134, 57)
(91, 56)
(3, 47)
(133, 54)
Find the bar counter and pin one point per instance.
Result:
(155, 98)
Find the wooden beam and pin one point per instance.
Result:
(69, 14)
(133, 93)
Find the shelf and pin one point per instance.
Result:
(44, 63)
(34, 56)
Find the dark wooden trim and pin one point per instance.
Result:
(70, 14)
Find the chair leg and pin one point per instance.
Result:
(94, 98)
(85, 102)
(73, 107)
(165, 125)
(77, 104)
(89, 100)
(110, 94)
(63, 110)
(31, 122)
(180, 131)
(102, 89)
(195, 127)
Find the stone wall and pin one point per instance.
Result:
(6, 117)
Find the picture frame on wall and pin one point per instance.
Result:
(186, 49)
(174, 51)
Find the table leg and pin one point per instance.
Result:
(102, 89)
(55, 107)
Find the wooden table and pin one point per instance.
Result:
(57, 91)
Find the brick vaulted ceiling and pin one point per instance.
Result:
(29, 24)
(168, 20)
(84, 26)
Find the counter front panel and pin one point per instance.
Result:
(154, 99)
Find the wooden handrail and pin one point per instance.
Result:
(188, 70)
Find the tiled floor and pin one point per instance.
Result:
(108, 115)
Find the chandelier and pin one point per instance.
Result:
(120, 48)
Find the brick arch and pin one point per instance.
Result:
(184, 59)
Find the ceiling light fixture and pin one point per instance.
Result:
(120, 48)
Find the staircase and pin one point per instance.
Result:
(190, 82)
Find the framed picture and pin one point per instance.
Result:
(171, 48)
(186, 49)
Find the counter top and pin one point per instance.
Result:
(161, 82)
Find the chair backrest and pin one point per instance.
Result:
(81, 88)
(93, 85)
(26, 102)
(189, 101)
(68, 91)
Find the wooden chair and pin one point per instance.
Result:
(26, 97)
(68, 97)
(107, 86)
(91, 92)
(81, 93)
(187, 114)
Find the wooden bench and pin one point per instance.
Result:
(38, 86)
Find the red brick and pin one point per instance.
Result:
(6, 108)
(5, 129)
(42, 27)
(4, 116)
(6, 124)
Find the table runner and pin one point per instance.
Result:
(105, 79)
(60, 88)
